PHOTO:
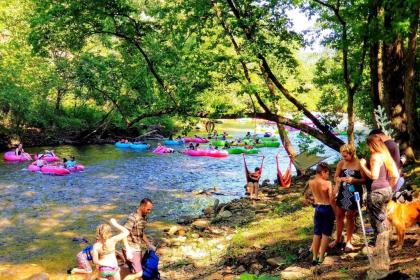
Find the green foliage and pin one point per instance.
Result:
(247, 276)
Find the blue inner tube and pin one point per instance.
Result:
(173, 142)
(122, 145)
(139, 146)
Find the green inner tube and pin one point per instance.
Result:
(238, 150)
(268, 144)
(219, 143)
(269, 139)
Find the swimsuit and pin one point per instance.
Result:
(108, 271)
(84, 257)
(323, 220)
(345, 197)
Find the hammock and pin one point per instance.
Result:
(285, 180)
(248, 178)
(304, 161)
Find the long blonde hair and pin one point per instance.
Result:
(375, 142)
(103, 232)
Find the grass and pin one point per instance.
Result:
(282, 235)
(247, 276)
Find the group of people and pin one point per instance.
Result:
(102, 254)
(381, 176)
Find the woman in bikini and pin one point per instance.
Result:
(349, 179)
(103, 252)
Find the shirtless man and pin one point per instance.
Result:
(324, 214)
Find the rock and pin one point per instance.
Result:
(216, 205)
(181, 232)
(208, 211)
(201, 224)
(256, 268)
(39, 276)
(173, 230)
(214, 276)
(353, 255)
(330, 260)
(278, 261)
(241, 269)
(195, 235)
(225, 214)
(295, 272)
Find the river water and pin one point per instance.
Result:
(41, 214)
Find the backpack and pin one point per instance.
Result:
(150, 262)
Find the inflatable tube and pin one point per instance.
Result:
(10, 156)
(195, 140)
(54, 170)
(217, 153)
(48, 158)
(236, 151)
(122, 145)
(33, 168)
(196, 153)
(77, 168)
(173, 142)
(139, 146)
(162, 150)
(268, 144)
(219, 143)
(270, 139)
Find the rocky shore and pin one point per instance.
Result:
(266, 239)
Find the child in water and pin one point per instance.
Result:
(71, 162)
(103, 253)
(40, 161)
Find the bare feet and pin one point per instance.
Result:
(349, 248)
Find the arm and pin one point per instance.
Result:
(148, 244)
(375, 164)
(124, 232)
(331, 196)
(129, 226)
(337, 178)
(95, 256)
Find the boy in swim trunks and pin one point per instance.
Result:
(324, 214)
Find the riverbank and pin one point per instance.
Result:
(267, 239)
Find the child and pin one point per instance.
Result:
(40, 161)
(71, 162)
(103, 252)
(253, 185)
(84, 260)
(324, 214)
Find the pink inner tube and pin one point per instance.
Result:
(77, 168)
(217, 153)
(162, 150)
(33, 168)
(11, 156)
(48, 158)
(54, 170)
(195, 140)
(210, 153)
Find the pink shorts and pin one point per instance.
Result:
(135, 263)
(82, 262)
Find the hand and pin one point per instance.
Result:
(129, 254)
(151, 247)
(363, 161)
(347, 179)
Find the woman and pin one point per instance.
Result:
(348, 179)
(384, 174)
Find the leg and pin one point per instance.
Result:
(315, 246)
(350, 227)
(400, 236)
(323, 247)
(340, 225)
(256, 189)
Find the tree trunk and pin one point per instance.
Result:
(409, 92)
(393, 79)
(375, 79)
(60, 94)
(350, 117)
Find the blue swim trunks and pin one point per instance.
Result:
(323, 220)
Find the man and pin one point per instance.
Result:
(322, 191)
(394, 151)
(137, 239)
